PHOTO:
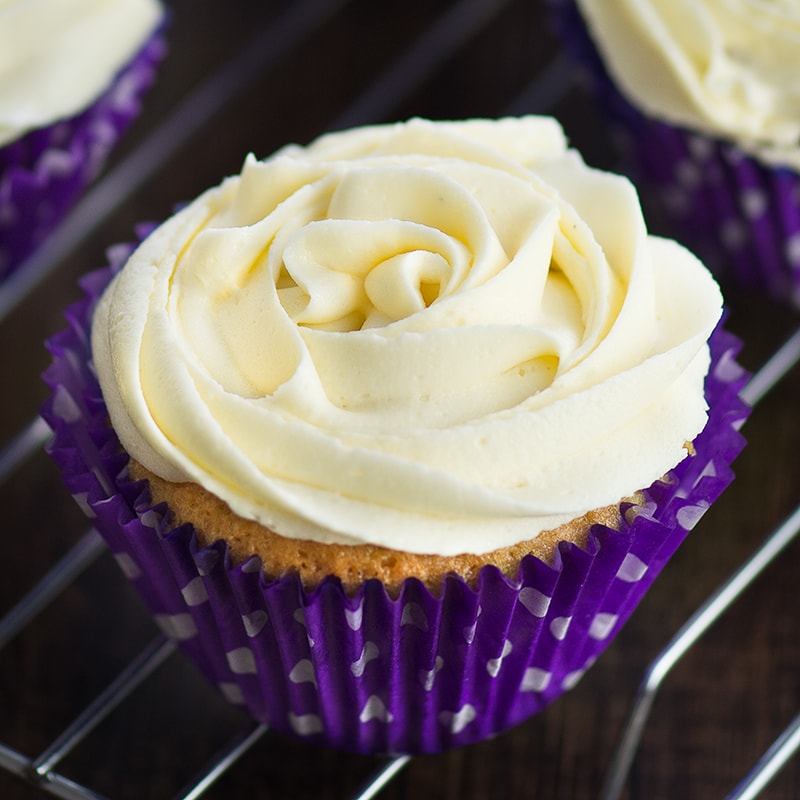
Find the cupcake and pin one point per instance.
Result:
(705, 98)
(72, 75)
(393, 431)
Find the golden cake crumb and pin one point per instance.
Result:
(353, 564)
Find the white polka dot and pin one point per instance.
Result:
(242, 661)
(688, 516)
(150, 519)
(254, 623)
(469, 633)
(305, 724)
(458, 720)
(571, 679)
(793, 249)
(375, 709)
(632, 569)
(727, 368)
(733, 234)
(647, 510)
(493, 664)
(177, 626)
(231, 692)
(535, 680)
(57, 162)
(369, 653)
(355, 616)
(414, 615)
(677, 200)
(194, 593)
(708, 471)
(754, 202)
(602, 625)
(688, 174)
(559, 627)
(535, 601)
(427, 676)
(303, 672)
(206, 561)
(253, 564)
(300, 616)
(128, 566)
(700, 147)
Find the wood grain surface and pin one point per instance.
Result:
(247, 76)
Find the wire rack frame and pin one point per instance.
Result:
(447, 34)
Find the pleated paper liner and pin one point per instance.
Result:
(418, 673)
(44, 173)
(738, 213)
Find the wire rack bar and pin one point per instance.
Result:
(237, 747)
(783, 360)
(770, 374)
(692, 630)
(22, 446)
(61, 575)
(546, 89)
(126, 682)
(53, 784)
(768, 766)
(428, 52)
(382, 777)
(434, 47)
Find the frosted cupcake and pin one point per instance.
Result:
(706, 95)
(72, 75)
(421, 410)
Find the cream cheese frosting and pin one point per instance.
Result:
(58, 56)
(434, 337)
(725, 67)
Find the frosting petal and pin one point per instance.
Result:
(436, 337)
(58, 56)
(727, 67)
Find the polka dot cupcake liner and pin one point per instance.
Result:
(739, 214)
(43, 173)
(371, 673)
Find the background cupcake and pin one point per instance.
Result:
(707, 110)
(421, 668)
(72, 75)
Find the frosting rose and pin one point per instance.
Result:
(727, 67)
(436, 337)
(57, 56)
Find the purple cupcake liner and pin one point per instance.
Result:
(739, 214)
(370, 673)
(43, 173)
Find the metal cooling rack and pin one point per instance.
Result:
(450, 32)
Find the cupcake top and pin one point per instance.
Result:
(434, 337)
(58, 56)
(725, 67)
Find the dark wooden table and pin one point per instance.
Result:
(249, 76)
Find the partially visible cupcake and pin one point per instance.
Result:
(421, 410)
(706, 98)
(72, 76)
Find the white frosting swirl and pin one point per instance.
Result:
(436, 337)
(58, 56)
(725, 67)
